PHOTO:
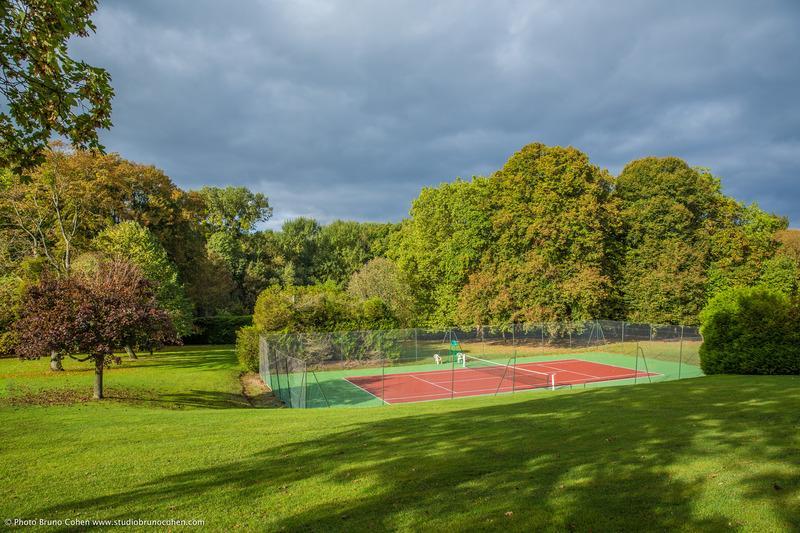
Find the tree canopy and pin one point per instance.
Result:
(48, 92)
(549, 236)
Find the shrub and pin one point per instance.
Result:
(322, 307)
(750, 331)
(247, 348)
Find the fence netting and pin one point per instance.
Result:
(382, 367)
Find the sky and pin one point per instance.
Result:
(346, 109)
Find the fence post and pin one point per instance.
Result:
(636, 367)
(383, 381)
(416, 346)
(452, 370)
(514, 360)
(680, 355)
(623, 336)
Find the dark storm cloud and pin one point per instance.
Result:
(346, 109)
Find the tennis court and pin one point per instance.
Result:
(382, 367)
(480, 377)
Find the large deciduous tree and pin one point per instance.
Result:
(535, 241)
(669, 211)
(234, 210)
(442, 244)
(129, 240)
(47, 92)
(93, 315)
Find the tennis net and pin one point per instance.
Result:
(511, 375)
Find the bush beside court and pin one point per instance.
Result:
(751, 331)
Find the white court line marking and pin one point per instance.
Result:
(431, 383)
(365, 390)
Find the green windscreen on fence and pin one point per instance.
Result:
(384, 367)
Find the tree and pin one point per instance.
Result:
(442, 244)
(128, 240)
(10, 296)
(789, 240)
(49, 213)
(234, 210)
(553, 245)
(92, 315)
(742, 248)
(345, 246)
(46, 90)
(299, 239)
(380, 278)
(669, 211)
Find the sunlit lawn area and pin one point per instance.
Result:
(710, 453)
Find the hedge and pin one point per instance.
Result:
(750, 331)
(247, 348)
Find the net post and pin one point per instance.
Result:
(646, 369)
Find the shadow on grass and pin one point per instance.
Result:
(601, 460)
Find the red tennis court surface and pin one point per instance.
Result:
(460, 382)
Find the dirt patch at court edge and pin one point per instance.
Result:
(256, 392)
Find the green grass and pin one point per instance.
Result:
(712, 453)
(187, 376)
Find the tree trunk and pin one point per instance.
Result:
(55, 362)
(130, 352)
(98, 377)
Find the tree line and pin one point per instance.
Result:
(547, 237)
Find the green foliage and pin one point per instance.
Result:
(750, 331)
(220, 329)
(380, 278)
(535, 241)
(11, 292)
(668, 210)
(234, 210)
(48, 92)
(131, 241)
(322, 307)
(442, 243)
(741, 248)
(247, 348)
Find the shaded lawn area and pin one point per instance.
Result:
(712, 453)
(184, 376)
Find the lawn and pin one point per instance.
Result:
(178, 440)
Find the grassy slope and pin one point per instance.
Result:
(709, 453)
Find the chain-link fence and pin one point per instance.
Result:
(380, 367)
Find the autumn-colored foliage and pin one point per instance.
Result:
(89, 317)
